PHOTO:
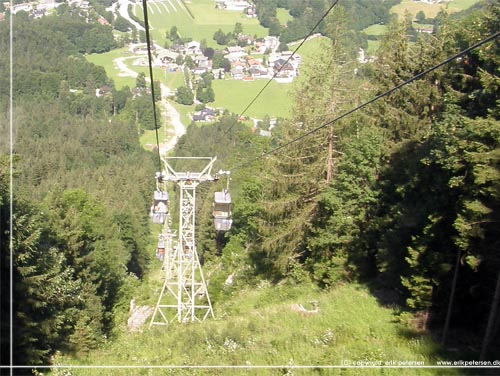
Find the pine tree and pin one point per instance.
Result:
(294, 178)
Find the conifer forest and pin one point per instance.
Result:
(400, 196)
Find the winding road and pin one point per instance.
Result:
(168, 110)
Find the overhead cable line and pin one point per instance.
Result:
(148, 43)
(286, 62)
(376, 98)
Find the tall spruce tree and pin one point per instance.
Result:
(294, 178)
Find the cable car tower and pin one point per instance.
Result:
(184, 295)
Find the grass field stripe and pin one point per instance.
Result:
(172, 5)
(150, 9)
(181, 4)
(157, 6)
(164, 6)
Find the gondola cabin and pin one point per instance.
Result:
(221, 211)
(159, 209)
(160, 249)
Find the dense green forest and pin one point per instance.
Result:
(306, 13)
(402, 196)
(81, 185)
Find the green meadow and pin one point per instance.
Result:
(105, 60)
(431, 10)
(207, 20)
(236, 95)
(375, 29)
(283, 16)
(256, 327)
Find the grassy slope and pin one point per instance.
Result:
(275, 100)
(412, 7)
(207, 20)
(431, 10)
(257, 327)
(283, 16)
(235, 96)
(106, 60)
(230, 94)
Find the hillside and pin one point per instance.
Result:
(258, 327)
(364, 222)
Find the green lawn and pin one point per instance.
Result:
(373, 46)
(310, 49)
(375, 29)
(430, 10)
(462, 4)
(283, 16)
(230, 94)
(207, 20)
(184, 112)
(173, 80)
(236, 95)
(106, 60)
(148, 138)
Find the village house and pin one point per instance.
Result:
(272, 43)
(21, 7)
(193, 48)
(282, 68)
(218, 73)
(139, 48)
(251, 11)
(106, 89)
(237, 5)
(199, 70)
(238, 72)
(269, 43)
(235, 53)
(246, 39)
(259, 72)
(102, 21)
(205, 115)
(82, 4)
(295, 59)
(167, 56)
(202, 61)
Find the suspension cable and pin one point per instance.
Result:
(150, 65)
(376, 98)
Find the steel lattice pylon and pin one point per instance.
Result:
(184, 296)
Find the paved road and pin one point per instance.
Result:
(123, 9)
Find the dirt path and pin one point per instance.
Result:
(168, 110)
(175, 119)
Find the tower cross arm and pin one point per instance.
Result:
(205, 174)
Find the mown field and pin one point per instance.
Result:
(207, 20)
(413, 7)
(231, 94)
(106, 60)
(256, 327)
(236, 95)
(431, 10)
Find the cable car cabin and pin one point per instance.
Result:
(159, 209)
(160, 249)
(221, 211)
